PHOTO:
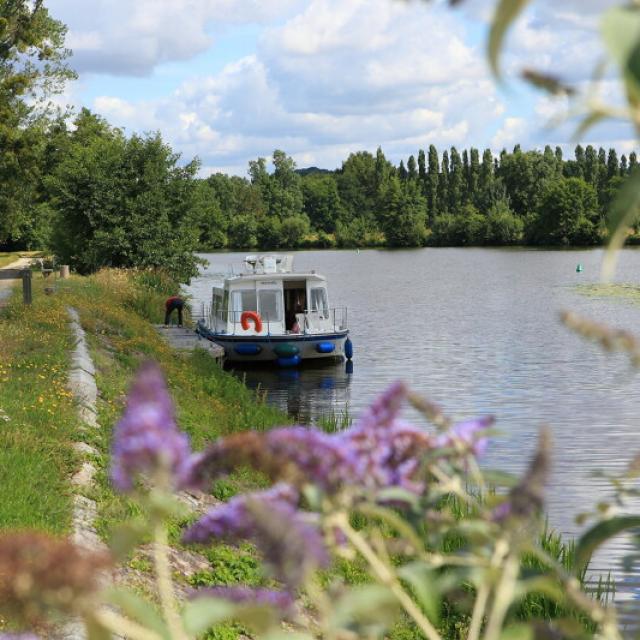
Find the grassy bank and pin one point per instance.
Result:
(38, 416)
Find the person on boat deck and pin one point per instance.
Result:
(172, 303)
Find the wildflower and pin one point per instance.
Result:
(233, 520)
(290, 546)
(18, 636)
(467, 434)
(296, 455)
(147, 440)
(39, 573)
(526, 499)
(389, 456)
(280, 601)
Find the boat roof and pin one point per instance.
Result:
(273, 267)
(250, 277)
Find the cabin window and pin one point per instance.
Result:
(269, 305)
(319, 301)
(243, 300)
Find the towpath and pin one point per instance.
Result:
(7, 285)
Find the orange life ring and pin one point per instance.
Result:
(251, 315)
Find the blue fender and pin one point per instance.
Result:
(247, 349)
(325, 347)
(348, 348)
(291, 361)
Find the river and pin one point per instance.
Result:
(477, 331)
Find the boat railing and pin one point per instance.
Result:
(310, 321)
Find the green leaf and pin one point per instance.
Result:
(126, 537)
(505, 14)
(395, 521)
(544, 585)
(397, 494)
(620, 30)
(365, 605)
(590, 120)
(622, 213)
(202, 613)
(423, 581)
(138, 609)
(599, 534)
(519, 631)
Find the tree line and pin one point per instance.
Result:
(98, 197)
(447, 198)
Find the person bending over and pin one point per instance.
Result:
(174, 302)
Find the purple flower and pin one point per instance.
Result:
(290, 546)
(18, 636)
(387, 456)
(147, 440)
(468, 434)
(280, 601)
(385, 408)
(234, 520)
(297, 455)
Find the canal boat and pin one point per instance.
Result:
(270, 313)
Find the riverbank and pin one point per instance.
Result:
(38, 414)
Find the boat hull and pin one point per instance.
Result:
(284, 351)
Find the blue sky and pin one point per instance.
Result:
(229, 81)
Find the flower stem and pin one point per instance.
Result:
(503, 596)
(121, 626)
(165, 584)
(387, 577)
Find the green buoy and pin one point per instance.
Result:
(579, 268)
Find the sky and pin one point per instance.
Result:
(231, 80)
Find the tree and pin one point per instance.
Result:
(412, 168)
(358, 181)
(443, 185)
(474, 176)
(568, 214)
(32, 69)
(422, 171)
(432, 187)
(403, 214)
(402, 172)
(613, 166)
(456, 181)
(321, 201)
(125, 203)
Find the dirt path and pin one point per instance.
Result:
(6, 285)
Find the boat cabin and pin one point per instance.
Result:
(287, 302)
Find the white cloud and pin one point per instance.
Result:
(329, 77)
(511, 132)
(131, 38)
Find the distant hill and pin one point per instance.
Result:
(310, 170)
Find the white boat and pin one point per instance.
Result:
(270, 313)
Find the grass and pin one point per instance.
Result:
(37, 415)
(116, 310)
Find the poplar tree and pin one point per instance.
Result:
(613, 166)
(433, 188)
(422, 171)
(456, 181)
(474, 175)
(591, 166)
(412, 168)
(443, 185)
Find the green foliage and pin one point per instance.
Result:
(123, 202)
(32, 69)
(568, 214)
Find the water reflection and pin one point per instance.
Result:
(309, 394)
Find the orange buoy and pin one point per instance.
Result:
(251, 315)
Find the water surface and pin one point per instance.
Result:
(477, 331)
